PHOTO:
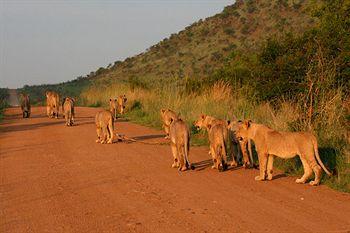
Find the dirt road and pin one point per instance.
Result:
(57, 179)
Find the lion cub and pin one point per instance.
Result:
(167, 116)
(204, 121)
(180, 144)
(104, 127)
(68, 110)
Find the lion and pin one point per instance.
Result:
(104, 127)
(121, 103)
(25, 105)
(167, 116)
(52, 104)
(113, 106)
(232, 126)
(270, 143)
(68, 110)
(180, 144)
(216, 134)
(204, 121)
(117, 105)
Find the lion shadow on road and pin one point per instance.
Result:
(146, 137)
(26, 127)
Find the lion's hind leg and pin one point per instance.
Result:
(317, 170)
(307, 171)
(175, 155)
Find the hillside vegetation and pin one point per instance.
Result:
(205, 45)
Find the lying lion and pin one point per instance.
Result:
(270, 143)
(104, 127)
(204, 121)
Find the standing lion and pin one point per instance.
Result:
(180, 144)
(52, 104)
(270, 143)
(167, 116)
(68, 110)
(104, 127)
(25, 105)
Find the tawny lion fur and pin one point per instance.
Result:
(117, 105)
(104, 127)
(167, 116)
(68, 110)
(204, 121)
(52, 104)
(270, 143)
(180, 144)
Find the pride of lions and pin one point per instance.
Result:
(232, 135)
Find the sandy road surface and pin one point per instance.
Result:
(57, 179)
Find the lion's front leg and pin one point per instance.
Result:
(262, 166)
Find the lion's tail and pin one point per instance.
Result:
(250, 151)
(315, 144)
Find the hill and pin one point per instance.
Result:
(203, 47)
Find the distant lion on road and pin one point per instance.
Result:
(68, 110)
(25, 105)
(52, 104)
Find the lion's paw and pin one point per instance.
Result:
(300, 181)
(258, 178)
(313, 183)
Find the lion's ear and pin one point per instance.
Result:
(203, 116)
(209, 126)
(162, 110)
(228, 122)
(110, 100)
(247, 123)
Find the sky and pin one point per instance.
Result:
(46, 42)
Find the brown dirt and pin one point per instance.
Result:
(57, 179)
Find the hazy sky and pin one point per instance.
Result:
(55, 41)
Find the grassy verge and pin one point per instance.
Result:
(3, 101)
